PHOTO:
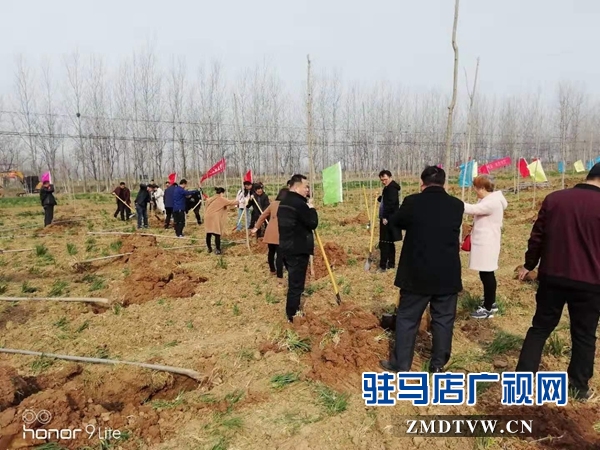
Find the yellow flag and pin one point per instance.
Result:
(579, 166)
(537, 172)
(475, 169)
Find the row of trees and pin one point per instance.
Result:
(145, 119)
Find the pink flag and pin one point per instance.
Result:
(496, 164)
(46, 177)
(440, 166)
(484, 169)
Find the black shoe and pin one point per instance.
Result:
(580, 394)
(210, 250)
(290, 319)
(387, 365)
(436, 370)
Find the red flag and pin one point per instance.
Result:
(523, 169)
(173, 178)
(485, 170)
(248, 176)
(217, 168)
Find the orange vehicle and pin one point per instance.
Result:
(27, 184)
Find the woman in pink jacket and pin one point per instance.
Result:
(485, 240)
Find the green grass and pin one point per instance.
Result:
(97, 285)
(236, 310)
(503, 342)
(116, 246)
(333, 402)
(71, 249)
(469, 302)
(26, 288)
(40, 364)
(292, 342)
(59, 287)
(282, 380)
(169, 404)
(555, 346)
(3, 288)
(271, 299)
(221, 263)
(62, 324)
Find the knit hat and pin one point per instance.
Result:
(594, 172)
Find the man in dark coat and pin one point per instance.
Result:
(193, 203)
(123, 193)
(389, 203)
(259, 201)
(179, 201)
(169, 189)
(48, 202)
(296, 219)
(429, 272)
(141, 206)
(565, 240)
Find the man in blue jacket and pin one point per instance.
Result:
(179, 201)
(168, 203)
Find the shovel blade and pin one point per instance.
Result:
(388, 322)
(368, 264)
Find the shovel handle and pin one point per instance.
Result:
(373, 227)
(333, 282)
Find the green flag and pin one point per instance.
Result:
(332, 184)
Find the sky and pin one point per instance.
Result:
(523, 45)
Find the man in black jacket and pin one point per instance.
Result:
(193, 203)
(389, 202)
(141, 206)
(429, 271)
(297, 219)
(48, 202)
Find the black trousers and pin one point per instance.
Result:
(387, 248)
(169, 213)
(209, 240)
(408, 317)
(179, 218)
(489, 289)
(584, 311)
(296, 266)
(197, 214)
(48, 214)
(123, 210)
(275, 260)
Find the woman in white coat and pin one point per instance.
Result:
(159, 197)
(485, 240)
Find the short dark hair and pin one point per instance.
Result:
(122, 183)
(257, 186)
(594, 172)
(247, 183)
(385, 172)
(220, 190)
(433, 175)
(183, 181)
(296, 178)
(282, 193)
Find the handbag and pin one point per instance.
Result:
(466, 245)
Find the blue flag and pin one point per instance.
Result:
(561, 167)
(589, 164)
(597, 160)
(465, 177)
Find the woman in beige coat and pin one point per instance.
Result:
(215, 218)
(272, 234)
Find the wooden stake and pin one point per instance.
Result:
(103, 258)
(56, 299)
(187, 372)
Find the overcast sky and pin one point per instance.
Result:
(523, 44)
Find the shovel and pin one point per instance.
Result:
(333, 282)
(370, 258)
(132, 211)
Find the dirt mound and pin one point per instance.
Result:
(356, 220)
(117, 399)
(345, 341)
(154, 273)
(335, 255)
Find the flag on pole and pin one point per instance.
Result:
(524, 168)
(589, 165)
(597, 160)
(173, 178)
(579, 166)
(465, 177)
(496, 164)
(332, 184)
(484, 169)
(475, 171)
(46, 176)
(537, 172)
(248, 176)
(217, 168)
(561, 167)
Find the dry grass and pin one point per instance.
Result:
(252, 400)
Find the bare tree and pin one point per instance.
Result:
(454, 89)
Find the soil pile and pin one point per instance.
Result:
(360, 219)
(154, 273)
(345, 341)
(335, 255)
(116, 399)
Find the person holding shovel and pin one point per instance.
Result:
(429, 271)
(179, 200)
(192, 203)
(388, 235)
(215, 218)
(271, 237)
(123, 193)
(297, 219)
(259, 201)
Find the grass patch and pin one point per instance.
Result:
(71, 249)
(116, 246)
(503, 342)
(221, 263)
(97, 284)
(84, 326)
(40, 364)
(26, 288)
(282, 380)
(469, 302)
(271, 299)
(169, 404)
(292, 342)
(294, 420)
(333, 402)
(236, 310)
(59, 287)
(3, 288)
(41, 250)
(62, 324)
(555, 346)
(332, 336)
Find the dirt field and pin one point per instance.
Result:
(264, 383)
